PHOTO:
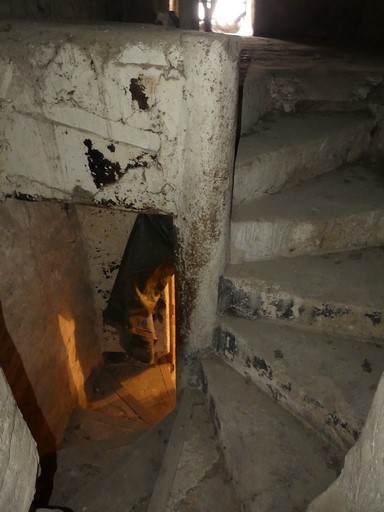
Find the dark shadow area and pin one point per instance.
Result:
(146, 268)
(14, 370)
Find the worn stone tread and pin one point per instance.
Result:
(127, 483)
(335, 292)
(289, 87)
(339, 210)
(201, 481)
(328, 380)
(276, 463)
(290, 148)
(351, 189)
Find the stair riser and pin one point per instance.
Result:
(269, 173)
(274, 462)
(257, 299)
(299, 89)
(338, 423)
(261, 240)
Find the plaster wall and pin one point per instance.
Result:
(106, 232)
(18, 455)
(48, 341)
(130, 117)
(360, 485)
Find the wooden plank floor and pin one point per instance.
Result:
(128, 391)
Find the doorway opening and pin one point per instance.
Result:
(128, 393)
(58, 265)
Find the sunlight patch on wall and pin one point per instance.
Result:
(68, 329)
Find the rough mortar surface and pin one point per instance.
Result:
(18, 455)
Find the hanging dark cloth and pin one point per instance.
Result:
(146, 266)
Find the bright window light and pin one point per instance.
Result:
(230, 16)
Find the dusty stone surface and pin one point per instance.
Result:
(93, 442)
(360, 485)
(201, 481)
(290, 88)
(336, 293)
(106, 233)
(127, 483)
(18, 455)
(327, 381)
(275, 462)
(49, 313)
(131, 117)
(288, 149)
(339, 210)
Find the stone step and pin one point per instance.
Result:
(127, 483)
(326, 380)
(275, 462)
(193, 476)
(291, 89)
(339, 292)
(339, 210)
(290, 148)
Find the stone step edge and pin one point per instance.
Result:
(225, 443)
(333, 427)
(277, 304)
(315, 243)
(163, 485)
(260, 79)
(258, 175)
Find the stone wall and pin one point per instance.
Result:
(134, 118)
(48, 341)
(18, 455)
(360, 486)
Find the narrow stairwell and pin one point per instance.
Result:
(299, 351)
(113, 449)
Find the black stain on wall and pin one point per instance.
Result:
(25, 197)
(231, 344)
(312, 401)
(334, 421)
(366, 366)
(262, 367)
(104, 172)
(329, 311)
(137, 91)
(287, 387)
(278, 354)
(284, 309)
(375, 317)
